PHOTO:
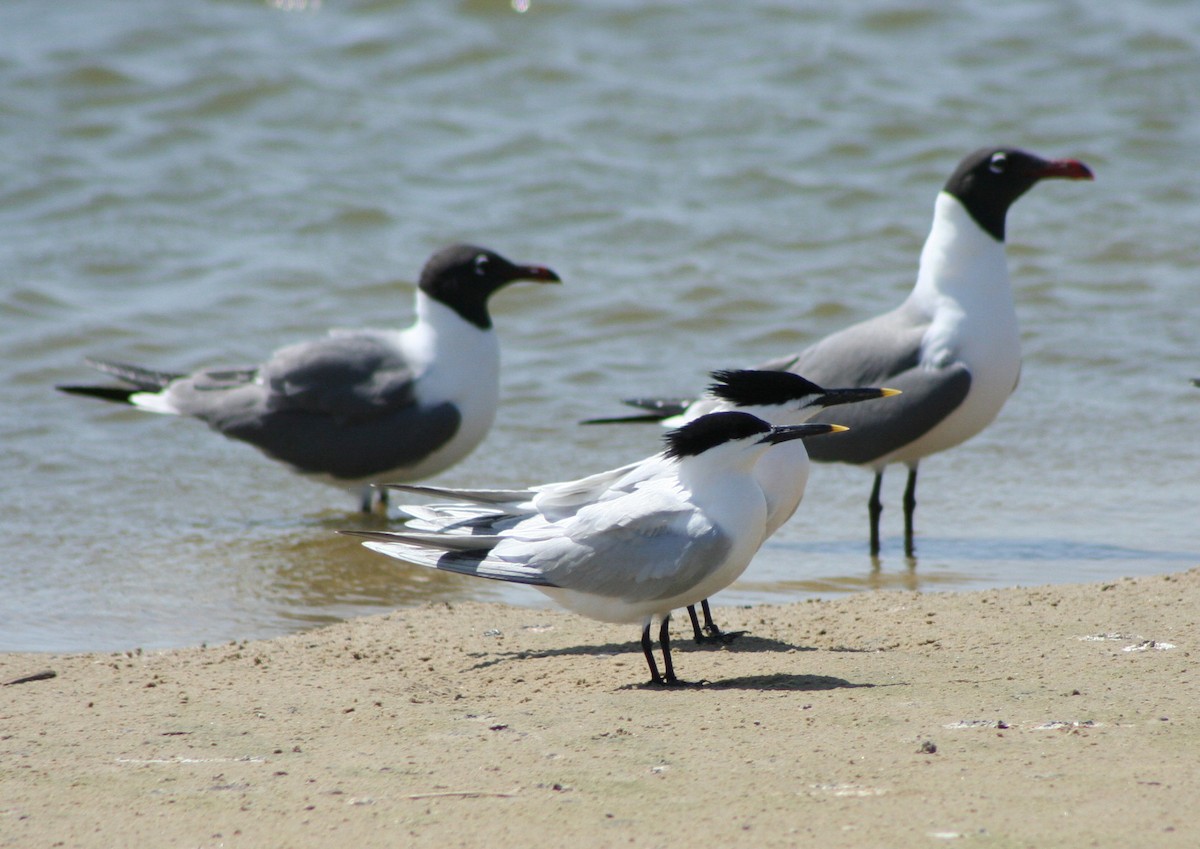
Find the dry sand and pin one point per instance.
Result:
(1061, 716)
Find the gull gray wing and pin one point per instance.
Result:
(344, 406)
(147, 380)
(880, 426)
(882, 351)
(779, 363)
(869, 353)
(349, 376)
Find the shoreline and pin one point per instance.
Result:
(1058, 715)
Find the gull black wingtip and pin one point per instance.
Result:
(116, 394)
(656, 409)
(648, 418)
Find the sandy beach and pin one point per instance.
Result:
(1058, 716)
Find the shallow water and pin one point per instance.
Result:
(718, 184)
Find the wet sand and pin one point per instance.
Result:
(1057, 716)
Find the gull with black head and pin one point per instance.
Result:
(953, 346)
(358, 407)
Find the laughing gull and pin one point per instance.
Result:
(778, 397)
(359, 406)
(668, 543)
(952, 346)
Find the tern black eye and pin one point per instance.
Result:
(481, 264)
(998, 163)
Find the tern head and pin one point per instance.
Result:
(790, 392)
(463, 277)
(717, 429)
(989, 180)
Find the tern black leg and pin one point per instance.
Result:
(910, 507)
(697, 634)
(664, 640)
(648, 650)
(875, 508)
(366, 499)
(711, 631)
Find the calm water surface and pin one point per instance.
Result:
(717, 183)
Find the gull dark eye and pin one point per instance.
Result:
(481, 264)
(997, 163)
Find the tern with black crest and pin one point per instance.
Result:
(667, 543)
(778, 397)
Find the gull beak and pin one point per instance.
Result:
(1067, 169)
(536, 273)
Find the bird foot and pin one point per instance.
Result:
(716, 635)
(674, 683)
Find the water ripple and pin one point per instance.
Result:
(718, 184)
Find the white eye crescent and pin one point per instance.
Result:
(997, 163)
(481, 264)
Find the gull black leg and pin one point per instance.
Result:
(875, 508)
(910, 507)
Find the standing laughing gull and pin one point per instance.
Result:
(359, 406)
(778, 397)
(952, 346)
(668, 543)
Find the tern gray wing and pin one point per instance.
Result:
(451, 521)
(653, 557)
(640, 548)
(464, 555)
(649, 547)
(474, 496)
(556, 500)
